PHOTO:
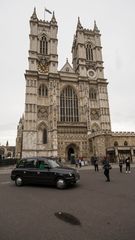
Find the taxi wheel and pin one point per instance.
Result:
(18, 181)
(61, 183)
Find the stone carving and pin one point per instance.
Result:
(95, 114)
(42, 112)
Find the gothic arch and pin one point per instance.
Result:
(125, 143)
(72, 152)
(42, 133)
(89, 42)
(116, 144)
(71, 86)
(41, 125)
(43, 34)
(9, 154)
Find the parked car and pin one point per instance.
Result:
(44, 170)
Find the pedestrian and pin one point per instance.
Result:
(92, 160)
(121, 164)
(96, 164)
(80, 162)
(107, 168)
(128, 165)
(77, 162)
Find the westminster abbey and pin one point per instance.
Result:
(67, 111)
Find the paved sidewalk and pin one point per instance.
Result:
(7, 169)
(91, 167)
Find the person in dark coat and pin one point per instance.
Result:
(77, 162)
(121, 164)
(127, 165)
(96, 164)
(107, 168)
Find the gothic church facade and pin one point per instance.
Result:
(66, 112)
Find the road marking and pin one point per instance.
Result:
(7, 182)
(5, 171)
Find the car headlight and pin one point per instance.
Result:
(70, 174)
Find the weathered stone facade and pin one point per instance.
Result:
(66, 112)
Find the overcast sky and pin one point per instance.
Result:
(116, 22)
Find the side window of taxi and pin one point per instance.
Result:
(27, 163)
(30, 163)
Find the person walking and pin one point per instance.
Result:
(121, 164)
(107, 168)
(80, 162)
(77, 162)
(96, 164)
(128, 165)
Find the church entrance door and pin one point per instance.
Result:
(71, 153)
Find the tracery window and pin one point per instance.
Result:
(93, 94)
(89, 52)
(43, 45)
(68, 105)
(43, 91)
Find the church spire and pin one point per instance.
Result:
(34, 15)
(95, 27)
(79, 26)
(53, 20)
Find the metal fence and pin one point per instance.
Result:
(8, 161)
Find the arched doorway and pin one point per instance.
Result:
(72, 153)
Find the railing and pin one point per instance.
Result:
(8, 161)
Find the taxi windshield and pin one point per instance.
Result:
(53, 163)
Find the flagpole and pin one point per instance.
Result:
(44, 14)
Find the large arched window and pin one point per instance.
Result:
(68, 105)
(43, 91)
(89, 52)
(43, 45)
(93, 94)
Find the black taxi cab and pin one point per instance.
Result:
(44, 170)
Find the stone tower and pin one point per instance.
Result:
(88, 63)
(64, 108)
(39, 134)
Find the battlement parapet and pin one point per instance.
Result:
(123, 134)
